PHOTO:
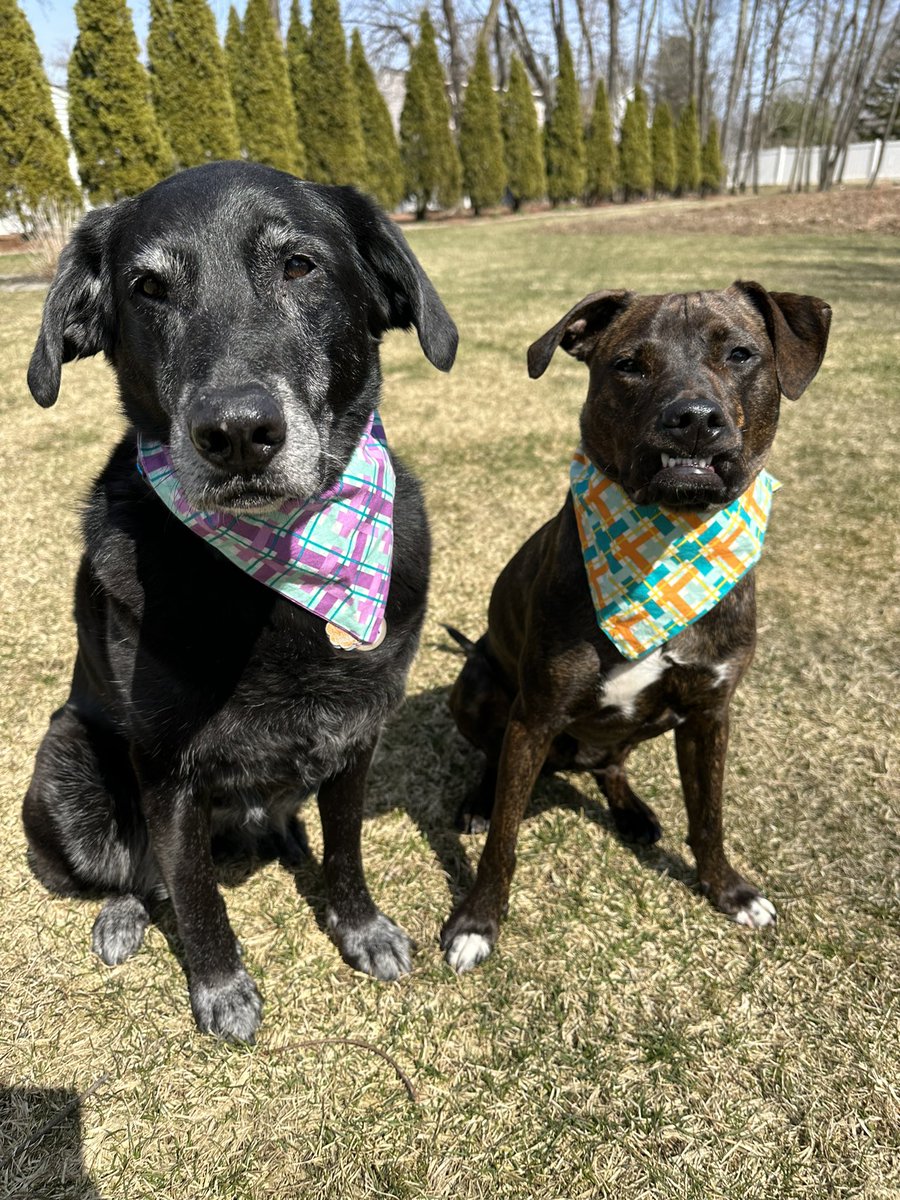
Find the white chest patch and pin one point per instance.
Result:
(625, 683)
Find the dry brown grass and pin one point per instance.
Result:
(624, 1040)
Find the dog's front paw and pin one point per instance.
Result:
(745, 905)
(377, 946)
(231, 1010)
(119, 929)
(756, 913)
(466, 941)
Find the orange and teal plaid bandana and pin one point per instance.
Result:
(653, 571)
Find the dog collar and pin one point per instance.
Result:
(653, 571)
(331, 555)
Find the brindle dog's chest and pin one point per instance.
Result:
(635, 701)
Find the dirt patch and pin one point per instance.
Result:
(846, 210)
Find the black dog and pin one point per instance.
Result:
(681, 411)
(242, 311)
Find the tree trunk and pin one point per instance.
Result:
(457, 62)
(612, 70)
(889, 125)
(525, 48)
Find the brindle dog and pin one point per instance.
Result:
(681, 410)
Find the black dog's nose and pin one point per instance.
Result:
(238, 429)
(693, 422)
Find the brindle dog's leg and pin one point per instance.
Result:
(701, 743)
(366, 938)
(223, 996)
(471, 932)
(634, 820)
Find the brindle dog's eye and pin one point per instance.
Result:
(153, 287)
(626, 365)
(298, 266)
(740, 354)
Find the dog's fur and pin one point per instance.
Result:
(204, 705)
(688, 376)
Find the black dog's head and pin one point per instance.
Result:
(684, 390)
(242, 310)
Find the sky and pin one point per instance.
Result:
(53, 22)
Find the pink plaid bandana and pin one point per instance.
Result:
(331, 555)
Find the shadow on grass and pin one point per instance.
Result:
(40, 1145)
(425, 769)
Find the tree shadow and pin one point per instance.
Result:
(40, 1145)
(424, 768)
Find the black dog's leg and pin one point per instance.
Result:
(366, 938)
(223, 996)
(474, 814)
(701, 743)
(119, 929)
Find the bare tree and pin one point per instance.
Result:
(642, 39)
(457, 60)
(748, 15)
(612, 64)
(536, 69)
(867, 51)
(888, 126)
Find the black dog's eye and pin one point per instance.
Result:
(740, 354)
(626, 365)
(298, 266)
(153, 287)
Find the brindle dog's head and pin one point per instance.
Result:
(242, 310)
(684, 391)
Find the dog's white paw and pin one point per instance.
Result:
(378, 946)
(756, 913)
(119, 929)
(231, 1010)
(466, 951)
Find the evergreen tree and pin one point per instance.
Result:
(687, 150)
(190, 88)
(564, 135)
(34, 167)
(430, 159)
(302, 91)
(712, 169)
(332, 132)
(526, 178)
(634, 148)
(663, 139)
(234, 66)
(602, 155)
(120, 147)
(480, 140)
(261, 90)
(382, 175)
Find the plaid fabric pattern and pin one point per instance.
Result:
(331, 555)
(653, 571)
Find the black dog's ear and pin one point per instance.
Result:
(577, 329)
(404, 295)
(798, 330)
(78, 312)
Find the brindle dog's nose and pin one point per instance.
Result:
(238, 429)
(692, 422)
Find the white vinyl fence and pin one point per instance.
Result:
(775, 167)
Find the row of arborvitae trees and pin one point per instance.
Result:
(308, 107)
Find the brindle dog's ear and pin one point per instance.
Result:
(577, 329)
(78, 318)
(402, 294)
(798, 330)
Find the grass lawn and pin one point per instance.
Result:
(624, 1039)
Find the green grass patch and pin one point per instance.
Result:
(624, 1040)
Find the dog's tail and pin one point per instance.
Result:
(461, 640)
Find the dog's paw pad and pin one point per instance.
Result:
(119, 929)
(466, 951)
(378, 947)
(756, 913)
(231, 1010)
